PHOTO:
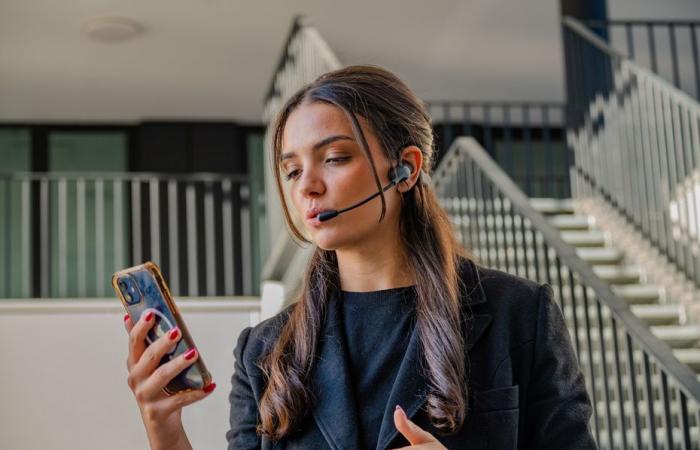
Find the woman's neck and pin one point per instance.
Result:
(373, 270)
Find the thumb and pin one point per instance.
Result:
(412, 432)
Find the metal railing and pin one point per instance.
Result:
(636, 143)
(525, 138)
(63, 235)
(668, 47)
(643, 397)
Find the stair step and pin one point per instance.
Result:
(605, 255)
(637, 293)
(587, 238)
(690, 357)
(570, 222)
(553, 205)
(654, 314)
(677, 336)
(616, 274)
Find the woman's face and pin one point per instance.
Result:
(325, 169)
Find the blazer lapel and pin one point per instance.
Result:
(410, 387)
(335, 412)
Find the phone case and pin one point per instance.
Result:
(143, 287)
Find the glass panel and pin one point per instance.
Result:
(15, 156)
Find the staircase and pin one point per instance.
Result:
(647, 301)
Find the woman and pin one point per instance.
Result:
(398, 338)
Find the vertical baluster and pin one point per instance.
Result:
(45, 238)
(80, 236)
(604, 366)
(652, 48)
(650, 400)
(118, 214)
(667, 419)
(26, 238)
(622, 425)
(523, 226)
(229, 243)
(574, 309)
(684, 420)
(210, 237)
(101, 277)
(245, 242)
(62, 228)
(630, 40)
(519, 263)
(192, 259)
(634, 397)
(508, 150)
(674, 55)
(591, 369)
(136, 239)
(529, 171)
(484, 251)
(154, 214)
(173, 236)
(502, 221)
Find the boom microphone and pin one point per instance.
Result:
(398, 174)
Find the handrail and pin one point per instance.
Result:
(297, 23)
(467, 146)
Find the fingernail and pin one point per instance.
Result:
(126, 317)
(209, 388)
(173, 333)
(190, 353)
(398, 408)
(149, 316)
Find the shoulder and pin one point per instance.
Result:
(255, 341)
(505, 296)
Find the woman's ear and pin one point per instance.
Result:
(412, 157)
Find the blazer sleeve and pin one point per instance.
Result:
(558, 406)
(243, 415)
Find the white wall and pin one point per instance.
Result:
(63, 373)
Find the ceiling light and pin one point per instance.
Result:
(113, 28)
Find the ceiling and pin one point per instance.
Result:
(213, 59)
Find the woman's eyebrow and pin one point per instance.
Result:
(320, 144)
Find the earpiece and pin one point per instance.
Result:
(400, 173)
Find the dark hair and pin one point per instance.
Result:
(399, 119)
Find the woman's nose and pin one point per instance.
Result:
(311, 184)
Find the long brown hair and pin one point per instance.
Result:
(399, 119)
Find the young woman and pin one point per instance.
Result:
(398, 338)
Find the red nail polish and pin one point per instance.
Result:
(209, 388)
(173, 333)
(149, 316)
(126, 317)
(190, 353)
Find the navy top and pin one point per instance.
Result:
(377, 326)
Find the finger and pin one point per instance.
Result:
(412, 432)
(137, 337)
(165, 373)
(128, 324)
(182, 399)
(153, 354)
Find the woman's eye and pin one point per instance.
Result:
(338, 159)
(292, 174)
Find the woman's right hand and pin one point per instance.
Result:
(161, 413)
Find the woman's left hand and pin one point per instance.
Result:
(419, 438)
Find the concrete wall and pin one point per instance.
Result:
(63, 373)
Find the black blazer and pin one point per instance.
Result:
(526, 389)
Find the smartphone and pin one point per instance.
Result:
(143, 287)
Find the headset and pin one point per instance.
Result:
(397, 174)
